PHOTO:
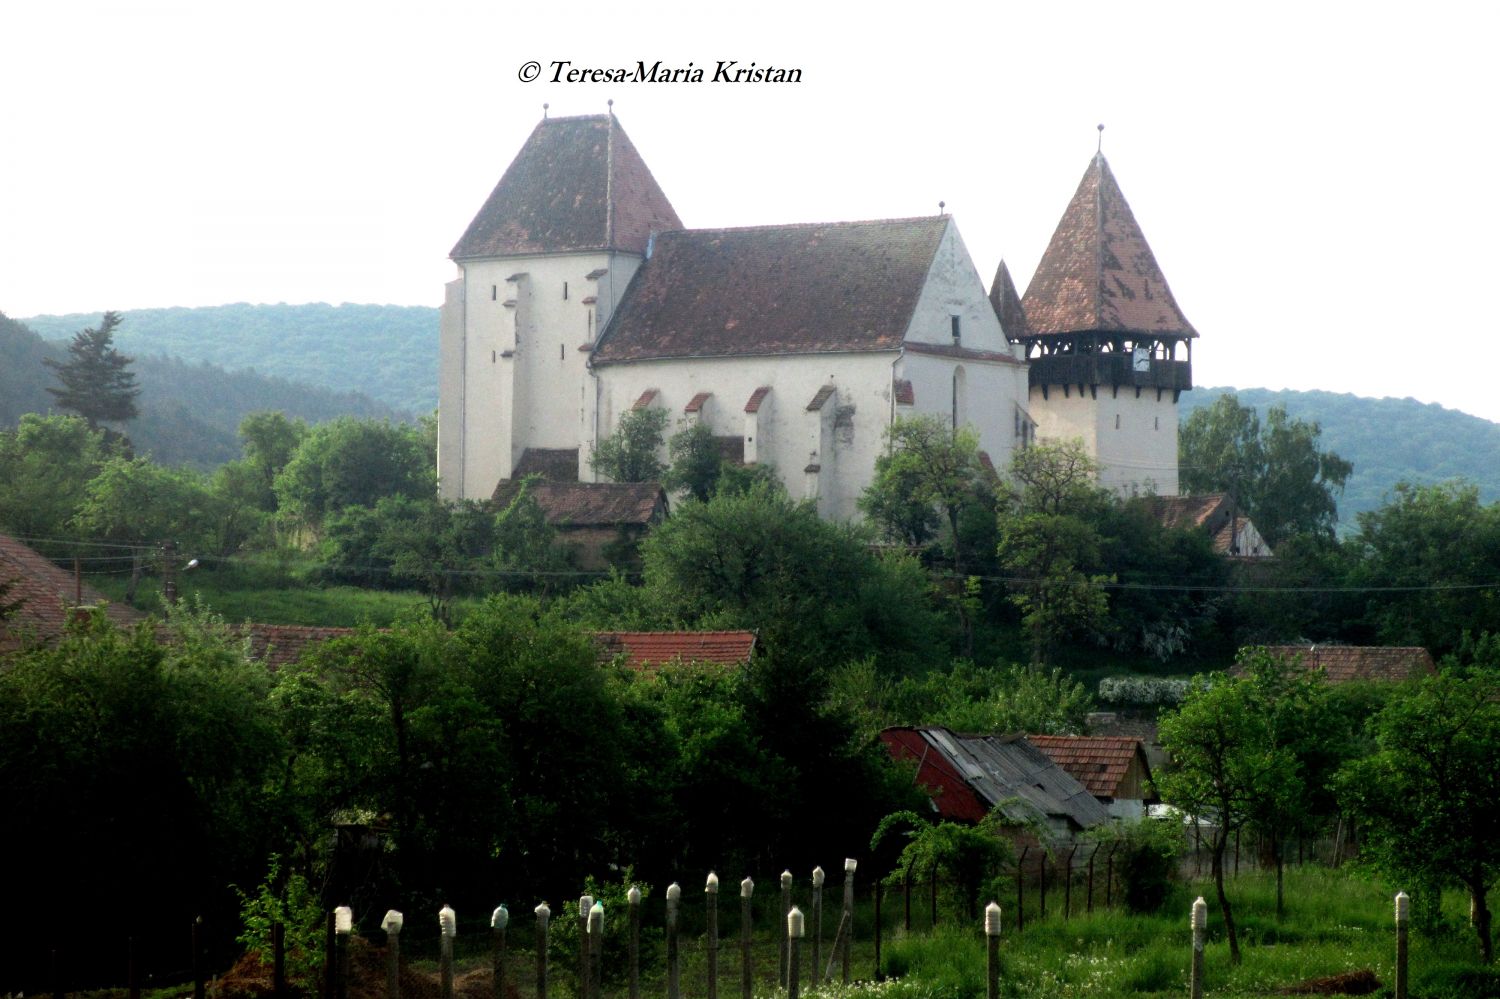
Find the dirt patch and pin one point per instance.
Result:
(250, 978)
(1350, 983)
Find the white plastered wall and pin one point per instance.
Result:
(1133, 438)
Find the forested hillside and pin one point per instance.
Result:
(1388, 440)
(388, 352)
(189, 412)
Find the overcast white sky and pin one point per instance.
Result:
(1317, 180)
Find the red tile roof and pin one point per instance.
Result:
(592, 504)
(279, 645)
(651, 650)
(963, 353)
(1201, 510)
(1343, 663)
(1007, 303)
(1097, 762)
(792, 289)
(646, 399)
(1099, 274)
(821, 397)
(45, 594)
(756, 398)
(577, 184)
(695, 404)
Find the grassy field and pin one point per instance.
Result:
(1335, 923)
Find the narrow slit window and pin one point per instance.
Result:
(562, 352)
(494, 292)
(1117, 421)
(958, 334)
(565, 290)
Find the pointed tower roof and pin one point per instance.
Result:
(577, 184)
(1098, 274)
(1007, 303)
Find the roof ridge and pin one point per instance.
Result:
(849, 223)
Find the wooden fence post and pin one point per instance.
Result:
(499, 920)
(848, 919)
(198, 990)
(818, 878)
(1200, 928)
(1091, 877)
(906, 898)
(934, 892)
(879, 891)
(992, 950)
(585, 903)
(448, 924)
(392, 923)
(711, 918)
(1021, 889)
(633, 897)
(1042, 881)
(543, 914)
(782, 953)
(596, 949)
(1403, 921)
(1068, 883)
(1109, 874)
(343, 926)
(794, 931)
(674, 983)
(747, 967)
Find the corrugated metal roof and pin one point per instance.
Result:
(1004, 771)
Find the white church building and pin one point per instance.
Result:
(580, 296)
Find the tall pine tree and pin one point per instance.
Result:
(96, 381)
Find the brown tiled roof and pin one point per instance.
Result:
(820, 398)
(695, 404)
(1007, 303)
(591, 504)
(1187, 511)
(650, 650)
(279, 645)
(1099, 274)
(1097, 762)
(792, 289)
(1343, 663)
(756, 398)
(555, 464)
(646, 399)
(45, 594)
(577, 184)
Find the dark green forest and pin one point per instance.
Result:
(190, 409)
(1387, 440)
(387, 352)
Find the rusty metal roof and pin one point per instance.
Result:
(1004, 771)
(1097, 762)
(1099, 274)
(577, 184)
(46, 595)
(791, 289)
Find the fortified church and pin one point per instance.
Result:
(581, 296)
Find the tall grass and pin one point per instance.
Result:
(1336, 922)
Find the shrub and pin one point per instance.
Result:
(1147, 862)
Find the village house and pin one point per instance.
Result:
(45, 598)
(1113, 769)
(581, 296)
(1359, 663)
(1218, 516)
(968, 776)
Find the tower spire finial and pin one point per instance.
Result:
(1100, 150)
(611, 103)
(942, 207)
(545, 106)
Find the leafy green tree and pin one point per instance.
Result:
(813, 590)
(1424, 559)
(630, 453)
(349, 462)
(970, 698)
(1277, 471)
(1050, 547)
(142, 772)
(696, 462)
(524, 543)
(967, 856)
(1229, 766)
(270, 439)
(1430, 796)
(439, 545)
(44, 465)
(929, 472)
(97, 383)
